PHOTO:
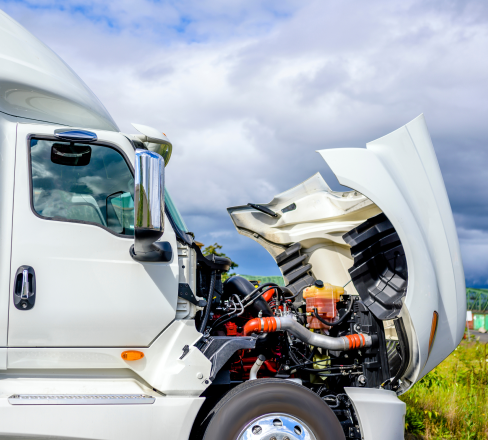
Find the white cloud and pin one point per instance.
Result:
(474, 249)
(248, 90)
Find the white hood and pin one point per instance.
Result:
(398, 175)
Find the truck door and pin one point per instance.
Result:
(73, 281)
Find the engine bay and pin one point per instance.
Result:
(309, 332)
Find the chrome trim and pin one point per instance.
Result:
(80, 399)
(75, 135)
(276, 426)
(148, 200)
(317, 340)
(24, 293)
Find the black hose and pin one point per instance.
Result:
(330, 367)
(331, 324)
(229, 316)
(302, 365)
(404, 353)
(221, 321)
(260, 294)
(257, 289)
(300, 316)
(209, 302)
(297, 361)
(318, 370)
(292, 296)
(328, 375)
(281, 289)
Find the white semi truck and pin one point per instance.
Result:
(113, 325)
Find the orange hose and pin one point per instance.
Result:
(270, 324)
(270, 367)
(252, 326)
(267, 325)
(356, 341)
(268, 294)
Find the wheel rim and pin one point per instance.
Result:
(276, 426)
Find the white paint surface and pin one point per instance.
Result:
(90, 292)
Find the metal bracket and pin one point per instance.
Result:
(186, 350)
(185, 292)
(219, 349)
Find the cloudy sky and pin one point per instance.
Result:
(248, 91)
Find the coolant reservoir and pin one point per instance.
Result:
(323, 297)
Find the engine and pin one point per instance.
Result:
(326, 341)
(310, 332)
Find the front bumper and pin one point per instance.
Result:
(381, 413)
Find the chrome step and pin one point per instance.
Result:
(80, 399)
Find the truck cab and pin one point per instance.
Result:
(114, 325)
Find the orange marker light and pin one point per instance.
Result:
(433, 330)
(132, 355)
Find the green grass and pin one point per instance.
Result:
(451, 401)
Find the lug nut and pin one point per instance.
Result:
(257, 430)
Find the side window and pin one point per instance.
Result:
(82, 182)
(174, 213)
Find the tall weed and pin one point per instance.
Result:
(450, 402)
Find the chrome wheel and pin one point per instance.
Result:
(276, 426)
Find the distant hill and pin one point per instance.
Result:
(263, 279)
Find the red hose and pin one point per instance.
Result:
(270, 367)
(268, 294)
(356, 341)
(267, 325)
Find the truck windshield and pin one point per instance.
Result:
(174, 213)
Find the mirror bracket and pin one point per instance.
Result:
(160, 252)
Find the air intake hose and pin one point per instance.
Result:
(287, 323)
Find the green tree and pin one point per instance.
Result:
(215, 249)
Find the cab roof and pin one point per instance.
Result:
(36, 84)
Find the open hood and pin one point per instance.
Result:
(396, 176)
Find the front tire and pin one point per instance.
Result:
(266, 408)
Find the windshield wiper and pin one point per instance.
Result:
(263, 209)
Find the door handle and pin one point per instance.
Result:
(25, 288)
(24, 294)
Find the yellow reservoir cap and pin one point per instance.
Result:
(328, 291)
(132, 355)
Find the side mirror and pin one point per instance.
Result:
(149, 208)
